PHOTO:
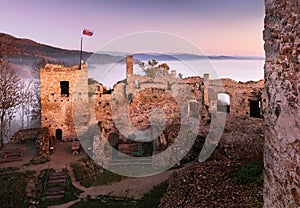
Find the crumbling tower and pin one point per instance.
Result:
(63, 91)
(129, 66)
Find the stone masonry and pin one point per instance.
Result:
(64, 100)
(138, 95)
(282, 112)
(69, 104)
(242, 94)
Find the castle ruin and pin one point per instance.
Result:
(65, 88)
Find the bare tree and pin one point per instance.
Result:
(35, 98)
(26, 96)
(10, 97)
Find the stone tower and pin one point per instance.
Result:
(63, 91)
(129, 66)
(282, 113)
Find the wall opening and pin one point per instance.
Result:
(255, 108)
(113, 140)
(58, 134)
(136, 149)
(223, 103)
(193, 109)
(64, 88)
(129, 98)
(198, 88)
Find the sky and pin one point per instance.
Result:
(216, 27)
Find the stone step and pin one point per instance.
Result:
(57, 181)
(55, 196)
(58, 174)
(131, 162)
(122, 159)
(55, 177)
(53, 189)
(52, 193)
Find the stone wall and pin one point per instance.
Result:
(282, 92)
(67, 113)
(25, 134)
(138, 95)
(57, 107)
(241, 94)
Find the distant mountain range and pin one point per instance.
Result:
(182, 56)
(25, 52)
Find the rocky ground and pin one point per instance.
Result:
(214, 183)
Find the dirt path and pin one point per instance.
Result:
(130, 187)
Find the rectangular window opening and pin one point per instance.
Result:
(64, 87)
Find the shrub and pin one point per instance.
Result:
(251, 172)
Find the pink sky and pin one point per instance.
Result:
(227, 27)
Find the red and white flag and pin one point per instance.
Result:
(88, 32)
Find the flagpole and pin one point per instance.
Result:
(80, 52)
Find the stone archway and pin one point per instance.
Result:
(223, 102)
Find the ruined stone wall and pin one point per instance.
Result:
(57, 111)
(205, 92)
(282, 113)
(241, 93)
(25, 134)
(137, 96)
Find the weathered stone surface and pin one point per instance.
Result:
(25, 134)
(177, 104)
(131, 103)
(63, 110)
(282, 111)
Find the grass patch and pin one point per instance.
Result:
(106, 202)
(107, 177)
(90, 174)
(251, 172)
(149, 200)
(13, 190)
(152, 198)
(71, 192)
(9, 169)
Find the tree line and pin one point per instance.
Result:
(18, 99)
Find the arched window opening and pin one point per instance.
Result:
(223, 103)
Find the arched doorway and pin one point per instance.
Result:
(223, 103)
(58, 134)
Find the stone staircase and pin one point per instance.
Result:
(55, 188)
(130, 162)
